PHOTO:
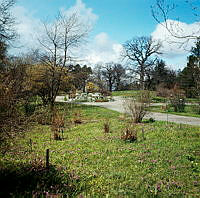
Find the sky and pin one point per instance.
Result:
(113, 23)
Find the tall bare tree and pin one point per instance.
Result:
(140, 52)
(60, 39)
(108, 72)
(120, 74)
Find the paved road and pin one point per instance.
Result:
(118, 105)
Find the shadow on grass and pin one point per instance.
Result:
(37, 181)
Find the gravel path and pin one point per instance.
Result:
(117, 105)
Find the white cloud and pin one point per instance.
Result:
(100, 49)
(85, 14)
(176, 50)
(30, 28)
(172, 46)
(27, 27)
(103, 49)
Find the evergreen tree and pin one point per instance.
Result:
(189, 78)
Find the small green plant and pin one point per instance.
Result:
(65, 98)
(29, 108)
(150, 120)
(196, 108)
(158, 99)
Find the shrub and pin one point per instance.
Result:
(91, 87)
(57, 125)
(29, 108)
(129, 134)
(196, 108)
(106, 126)
(137, 106)
(158, 99)
(162, 91)
(177, 99)
(105, 92)
(43, 115)
(151, 120)
(102, 100)
(77, 117)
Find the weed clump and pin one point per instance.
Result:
(106, 126)
(57, 125)
(137, 106)
(77, 118)
(129, 134)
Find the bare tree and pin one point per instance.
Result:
(120, 74)
(108, 72)
(97, 77)
(60, 39)
(139, 51)
(161, 13)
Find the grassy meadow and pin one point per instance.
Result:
(88, 162)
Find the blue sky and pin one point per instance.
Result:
(114, 22)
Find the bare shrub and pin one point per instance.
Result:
(129, 134)
(57, 125)
(162, 91)
(105, 92)
(39, 117)
(13, 97)
(106, 126)
(137, 106)
(177, 99)
(77, 117)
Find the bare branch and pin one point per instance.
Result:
(7, 21)
(161, 13)
(138, 52)
(60, 39)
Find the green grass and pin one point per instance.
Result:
(189, 111)
(132, 93)
(127, 93)
(192, 100)
(166, 164)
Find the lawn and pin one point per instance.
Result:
(132, 93)
(190, 110)
(127, 93)
(166, 163)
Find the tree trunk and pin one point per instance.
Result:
(142, 74)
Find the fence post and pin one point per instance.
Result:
(143, 134)
(62, 134)
(31, 145)
(47, 158)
